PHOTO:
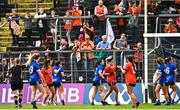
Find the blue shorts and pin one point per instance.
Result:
(97, 83)
(171, 82)
(57, 84)
(35, 82)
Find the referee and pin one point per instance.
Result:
(16, 82)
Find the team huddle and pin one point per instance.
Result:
(48, 79)
(163, 78)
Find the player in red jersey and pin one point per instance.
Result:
(49, 88)
(110, 72)
(130, 77)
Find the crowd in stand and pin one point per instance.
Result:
(98, 21)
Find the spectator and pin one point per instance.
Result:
(88, 45)
(89, 29)
(28, 27)
(133, 21)
(64, 56)
(52, 23)
(119, 10)
(103, 45)
(121, 44)
(76, 48)
(178, 24)
(3, 70)
(68, 26)
(47, 54)
(153, 9)
(64, 44)
(14, 26)
(100, 12)
(170, 28)
(78, 64)
(138, 54)
(77, 23)
(81, 37)
(42, 26)
(53, 28)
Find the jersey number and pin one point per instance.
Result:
(167, 70)
(31, 69)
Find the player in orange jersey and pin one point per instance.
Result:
(130, 77)
(110, 72)
(47, 71)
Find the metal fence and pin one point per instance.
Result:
(77, 70)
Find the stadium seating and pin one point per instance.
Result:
(22, 6)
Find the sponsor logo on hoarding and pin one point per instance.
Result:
(123, 96)
(74, 94)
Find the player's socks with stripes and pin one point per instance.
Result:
(16, 101)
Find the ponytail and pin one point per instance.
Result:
(29, 61)
(32, 57)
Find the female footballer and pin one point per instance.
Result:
(98, 80)
(171, 72)
(47, 71)
(130, 78)
(36, 78)
(57, 76)
(110, 72)
(161, 78)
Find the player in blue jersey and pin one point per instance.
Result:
(98, 80)
(36, 79)
(161, 82)
(57, 76)
(171, 72)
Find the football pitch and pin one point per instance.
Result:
(98, 107)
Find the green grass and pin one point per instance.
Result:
(98, 107)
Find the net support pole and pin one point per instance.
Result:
(145, 52)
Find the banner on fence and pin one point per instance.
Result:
(80, 94)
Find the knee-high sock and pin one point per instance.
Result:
(16, 100)
(20, 98)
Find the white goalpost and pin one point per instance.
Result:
(146, 36)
